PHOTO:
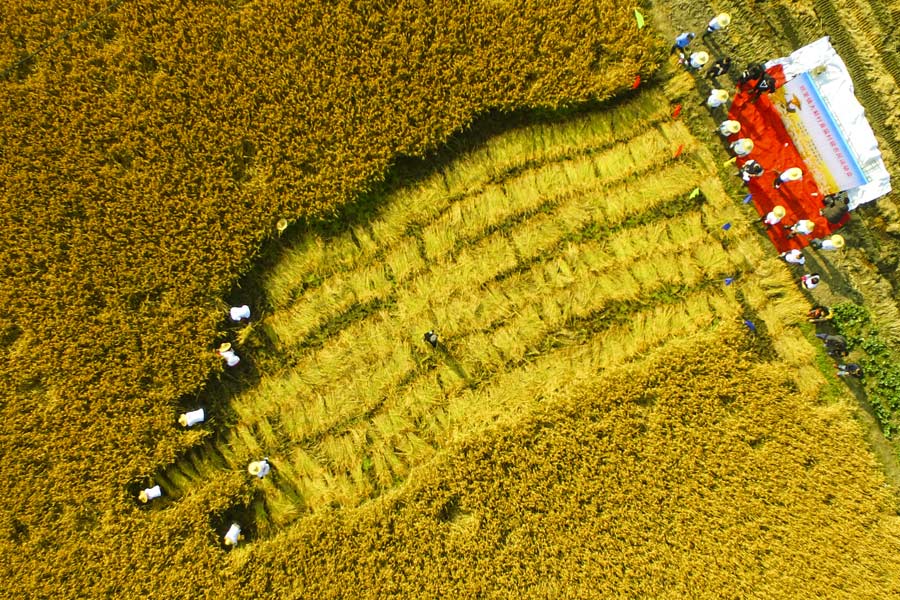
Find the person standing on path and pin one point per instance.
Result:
(729, 127)
(851, 369)
(750, 169)
(794, 257)
(719, 68)
(810, 280)
(802, 227)
(835, 242)
(792, 174)
(682, 41)
(720, 22)
(742, 147)
(774, 216)
(717, 97)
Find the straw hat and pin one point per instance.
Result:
(143, 496)
(719, 94)
(724, 19)
(779, 212)
(254, 468)
(732, 127)
(281, 225)
(838, 241)
(224, 347)
(701, 57)
(182, 420)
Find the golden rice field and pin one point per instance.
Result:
(597, 420)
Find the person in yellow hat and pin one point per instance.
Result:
(774, 216)
(729, 127)
(835, 242)
(259, 468)
(233, 535)
(189, 419)
(742, 147)
(720, 22)
(698, 59)
(149, 494)
(225, 351)
(717, 97)
(792, 174)
(802, 227)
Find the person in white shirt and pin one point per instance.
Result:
(149, 494)
(717, 97)
(742, 147)
(259, 468)
(233, 535)
(718, 23)
(698, 60)
(237, 313)
(792, 174)
(774, 216)
(835, 242)
(729, 127)
(802, 227)
(189, 419)
(795, 257)
(810, 280)
(225, 351)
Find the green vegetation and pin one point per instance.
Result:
(882, 373)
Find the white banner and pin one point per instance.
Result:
(835, 88)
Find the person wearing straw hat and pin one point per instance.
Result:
(742, 147)
(238, 313)
(794, 257)
(233, 535)
(729, 127)
(801, 227)
(225, 351)
(259, 468)
(698, 60)
(718, 23)
(750, 169)
(717, 97)
(774, 216)
(792, 174)
(149, 494)
(189, 419)
(835, 242)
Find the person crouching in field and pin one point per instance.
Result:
(819, 314)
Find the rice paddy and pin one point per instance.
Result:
(547, 256)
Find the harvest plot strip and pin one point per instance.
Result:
(547, 256)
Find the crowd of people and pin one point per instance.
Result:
(754, 81)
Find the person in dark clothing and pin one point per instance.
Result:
(753, 72)
(765, 85)
(835, 345)
(851, 369)
(749, 169)
(719, 68)
(836, 207)
(431, 337)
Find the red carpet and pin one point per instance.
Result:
(774, 150)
